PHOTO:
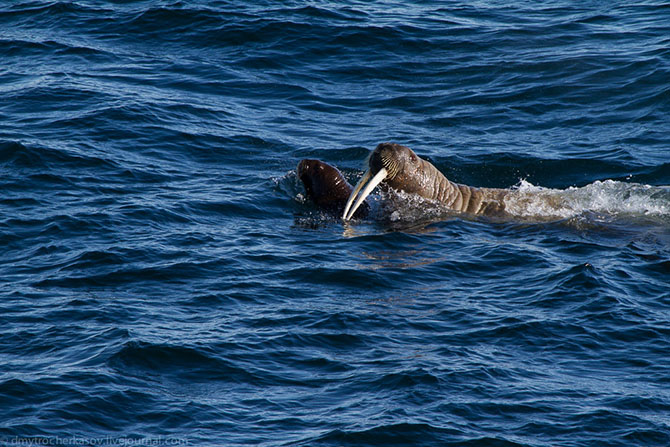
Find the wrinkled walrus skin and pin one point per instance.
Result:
(327, 187)
(400, 168)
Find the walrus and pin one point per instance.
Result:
(327, 188)
(401, 169)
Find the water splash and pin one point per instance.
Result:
(608, 197)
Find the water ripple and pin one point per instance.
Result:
(166, 281)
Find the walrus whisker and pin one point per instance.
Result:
(376, 180)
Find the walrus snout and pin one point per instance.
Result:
(390, 156)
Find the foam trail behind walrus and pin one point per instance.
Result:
(607, 197)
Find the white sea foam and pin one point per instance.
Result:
(604, 197)
(399, 206)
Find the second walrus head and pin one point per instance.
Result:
(327, 187)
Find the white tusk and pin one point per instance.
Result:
(357, 188)
(376, 180)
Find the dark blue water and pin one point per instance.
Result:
(164, 281)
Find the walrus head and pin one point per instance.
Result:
(326, 186)
(396, 165)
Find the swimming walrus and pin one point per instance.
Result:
(401, 169)
(327, 187)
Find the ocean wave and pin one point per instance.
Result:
(164, 275)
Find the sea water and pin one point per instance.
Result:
(164, 281)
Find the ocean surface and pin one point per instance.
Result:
(165, 281)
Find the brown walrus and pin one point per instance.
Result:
(327, 187)
(401, 169)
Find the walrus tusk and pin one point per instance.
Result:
(376, 180)
(352, 196)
